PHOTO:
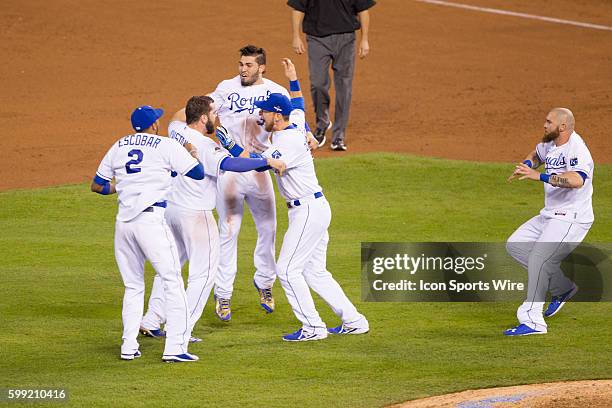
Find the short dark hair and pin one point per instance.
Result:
(254, 51)
(196, 107)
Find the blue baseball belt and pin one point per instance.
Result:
(297, 203)
(161, 204)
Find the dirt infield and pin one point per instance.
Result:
(439, 82)
(592, 394)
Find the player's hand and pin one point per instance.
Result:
(523, 171)
(313, 144)
(364, 48)
(224, 137)
(279, 166)
(290, 72)
(298, 45)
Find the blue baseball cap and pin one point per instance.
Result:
(144, 116)
(277, 103)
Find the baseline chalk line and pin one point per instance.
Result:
(515, 14)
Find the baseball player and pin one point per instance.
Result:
(190, 211)
(301, 264)
(541, 243)
(235, 100)
(141, 165)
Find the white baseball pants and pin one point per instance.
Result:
(197, 240)
(301, 266)
(540, 245)
(148, 237)
(257, 190)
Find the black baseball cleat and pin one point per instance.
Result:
(338, 146)
(320, 134)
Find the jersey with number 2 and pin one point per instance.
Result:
(141, 164)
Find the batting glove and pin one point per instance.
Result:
(224, 138)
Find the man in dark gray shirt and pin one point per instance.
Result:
(330, 27)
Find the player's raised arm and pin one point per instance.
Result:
(291, 75)
(297, 99)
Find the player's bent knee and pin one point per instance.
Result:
(284, 271)
(317, 274)
(514, 248)
(136, 286)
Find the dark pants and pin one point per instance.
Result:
(339, 51)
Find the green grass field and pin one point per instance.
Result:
(60, 306)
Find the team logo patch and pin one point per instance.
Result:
(574, 161)
(276, 154)
(278, 108)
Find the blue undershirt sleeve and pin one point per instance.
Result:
(298, 103)
(99, 180)
(106, 186)
(583, 175)
(236, 150)
(197, 172)
(242, 164)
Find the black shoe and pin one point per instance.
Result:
(338, 146)
(320, 134)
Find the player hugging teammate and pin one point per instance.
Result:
(167, 194)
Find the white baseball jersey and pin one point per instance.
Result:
(189, 216)
(197, 194)
(298, 118)
(301, 264)
(143, 159)
(238, 113)
(568, 204)
(141, 164)
(300, 179)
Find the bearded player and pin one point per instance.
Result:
(541, 244)
(235, 100)
(190, 211)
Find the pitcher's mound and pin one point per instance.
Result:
(558, 395)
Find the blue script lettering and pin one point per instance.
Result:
(555, 161)
(239, 104)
